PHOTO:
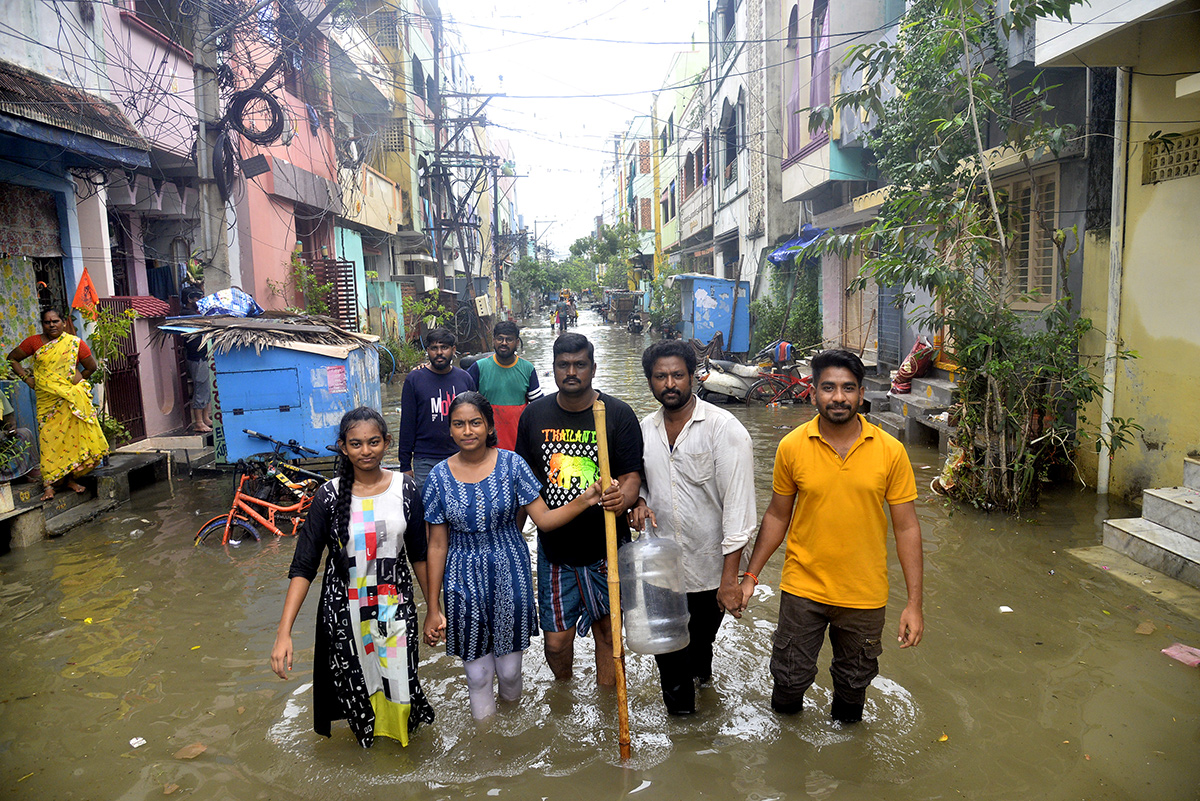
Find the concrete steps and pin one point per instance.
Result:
(60, 524)
(107, 486)
(890, 422)
(1176, 508)
(1156, 547)
(941, 391)
(1167, 535)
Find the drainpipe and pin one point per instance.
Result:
(1116, 251)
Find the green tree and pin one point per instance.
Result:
(529, 280)
(612, 248)
(791, 311)
(948, 230)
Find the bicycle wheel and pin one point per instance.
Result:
(797, 392)
(238, 531)
(765, 390)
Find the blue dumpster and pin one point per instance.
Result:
(288, 378)
(708, 307)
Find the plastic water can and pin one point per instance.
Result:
(653, 603)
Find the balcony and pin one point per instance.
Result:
(727, 44)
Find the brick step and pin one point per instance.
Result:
(1176, 508)
(876, 400)
(1191, 473)
(911, 405)
(1155, 546)
(874, 383)
(65, 500)
(889, 422)
(78, 515)
(938, 390)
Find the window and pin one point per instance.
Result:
(731, 137)
(726, 25)
(386, 32)
(819, 45)
(1030, 208)
(792, 84)
(671, 127)
(689, 175)
(305, 74)
(672, 198)
(418, 77)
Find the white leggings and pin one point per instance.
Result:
(480, 673)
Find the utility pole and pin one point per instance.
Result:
(214, 241)
(655, 156)
(496, 236)
(436, 165)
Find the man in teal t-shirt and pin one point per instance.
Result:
(507, 381)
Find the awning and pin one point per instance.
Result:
(45, 110)
(788, 250)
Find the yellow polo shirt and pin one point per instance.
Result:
(837, 540)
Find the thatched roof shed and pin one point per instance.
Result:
(312, 333)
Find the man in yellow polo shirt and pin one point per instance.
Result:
(836, 472)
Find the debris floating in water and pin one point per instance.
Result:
(138, 742)
(1184, 653)
(1004, 610)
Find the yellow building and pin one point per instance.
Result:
(1140, 287)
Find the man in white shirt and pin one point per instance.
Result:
(699, 490)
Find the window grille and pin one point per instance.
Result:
(1168, 159)
(1033, 257)
(386, 32)
(393, 134)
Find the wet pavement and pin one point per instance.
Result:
(123, 630)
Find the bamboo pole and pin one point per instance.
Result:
(614, 581)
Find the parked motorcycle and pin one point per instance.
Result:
(723, 381)
(635, 323)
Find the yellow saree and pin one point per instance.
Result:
(69, 434)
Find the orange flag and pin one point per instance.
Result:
(85, 295)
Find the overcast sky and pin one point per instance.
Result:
(562, 143)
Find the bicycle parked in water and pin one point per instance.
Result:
(266, 488)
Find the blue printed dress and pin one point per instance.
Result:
(488, 585)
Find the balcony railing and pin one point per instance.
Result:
(727, 45)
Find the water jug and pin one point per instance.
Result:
(653, 602)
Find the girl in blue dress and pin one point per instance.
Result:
(475, 504)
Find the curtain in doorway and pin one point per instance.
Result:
(28, 222)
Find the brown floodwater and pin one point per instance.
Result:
(123, 630)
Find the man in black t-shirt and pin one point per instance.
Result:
(557, 437)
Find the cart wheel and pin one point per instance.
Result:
(763, 391)
(238, 532)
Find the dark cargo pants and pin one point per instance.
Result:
(854, 634)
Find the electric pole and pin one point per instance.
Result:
(215, 242)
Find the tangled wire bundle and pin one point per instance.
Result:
(256, 102)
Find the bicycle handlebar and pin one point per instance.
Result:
(291, 444)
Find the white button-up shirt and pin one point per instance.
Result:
(702, 490)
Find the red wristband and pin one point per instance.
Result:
(751, 575)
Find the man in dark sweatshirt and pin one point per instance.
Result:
(424, 438)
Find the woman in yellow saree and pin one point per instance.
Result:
(69, 435)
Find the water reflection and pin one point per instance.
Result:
(1058, 699)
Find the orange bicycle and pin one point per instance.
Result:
(266, 488)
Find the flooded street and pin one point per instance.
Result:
(122, 629)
